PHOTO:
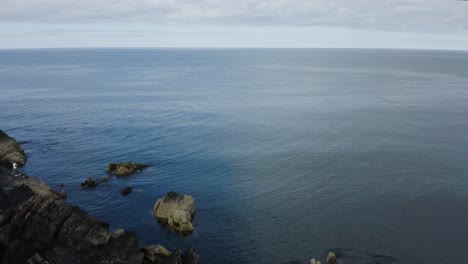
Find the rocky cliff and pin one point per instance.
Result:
(37, 226)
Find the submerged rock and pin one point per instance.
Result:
(126, 191)
(176, 211)
(105, 178)
(90, 183)
(125, 169)
(10, 151)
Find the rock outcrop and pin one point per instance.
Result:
(331, 258)
(176, 210)
(90, 183)
(38, 227)
(42, 228)
(125, 169)
(10, 151)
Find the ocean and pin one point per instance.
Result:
(289, 153)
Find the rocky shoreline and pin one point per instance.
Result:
(37, 226)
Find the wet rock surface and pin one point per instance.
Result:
(177, 211)
(125, 169)
(10, 151)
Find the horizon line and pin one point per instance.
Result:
(238, 48)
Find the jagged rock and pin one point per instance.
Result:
(90, 183)
(126, 191)
(10, 151)
(155, 254)
(61, 233)
(37, 227)
(63, 194)
(177, 211)
(125, 169)
(331, 258)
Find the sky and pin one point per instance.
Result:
(412, 24)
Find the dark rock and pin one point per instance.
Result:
(126, 191)
(90, 183)
(155, 254)
(60, 233)
(191, 256)
(63, 194)
(37, 259)
(176, 211)
(10, 151)
(175, 257)
(6, 235)
(105, 178)
(125, 169)
(37, 227)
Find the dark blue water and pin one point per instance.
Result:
(288, 153)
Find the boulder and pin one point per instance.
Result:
(125, 169)
(331, 258)
(313, 261)
(10, 151)
(155, 254)
(90, 183)
(176, 210)
(105, 178)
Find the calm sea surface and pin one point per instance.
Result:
(288, 153)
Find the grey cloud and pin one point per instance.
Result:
(395, 15)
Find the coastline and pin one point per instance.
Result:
(38, 226)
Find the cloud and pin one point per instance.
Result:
(389, 15)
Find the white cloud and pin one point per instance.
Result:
(394, 15)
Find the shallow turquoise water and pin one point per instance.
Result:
(288, 153)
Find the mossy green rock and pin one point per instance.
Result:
(125, 169)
